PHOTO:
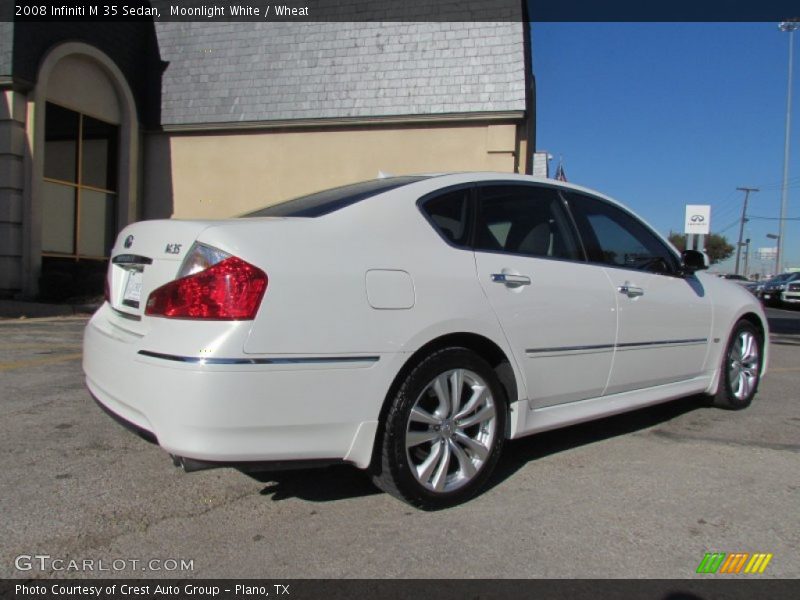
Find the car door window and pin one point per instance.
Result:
(449, 214)
(613, 237)
(526, 220)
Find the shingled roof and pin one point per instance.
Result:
(6, 47)
(225, 73)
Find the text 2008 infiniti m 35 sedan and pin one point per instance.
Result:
(409, 325)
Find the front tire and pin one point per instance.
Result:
(443, 432)
(741, 367)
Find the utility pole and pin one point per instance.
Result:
(746, 191)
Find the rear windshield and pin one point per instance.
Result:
(328, 201)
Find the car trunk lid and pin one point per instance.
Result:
(145, 256)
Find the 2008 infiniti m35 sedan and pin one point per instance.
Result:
(409, 325)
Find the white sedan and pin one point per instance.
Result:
(408, 326)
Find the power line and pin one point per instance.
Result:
(774, 218)
(721, 231)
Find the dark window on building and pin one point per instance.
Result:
(80, 185)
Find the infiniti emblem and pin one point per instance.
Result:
(447, 429)
(128, 241)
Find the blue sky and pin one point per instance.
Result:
(660, 115)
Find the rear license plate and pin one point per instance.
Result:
(133, 289)
(767, 296)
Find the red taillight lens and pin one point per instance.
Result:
(106, 290)
(230, 290)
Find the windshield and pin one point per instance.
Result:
(328, 201)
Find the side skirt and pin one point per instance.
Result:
(572, 413)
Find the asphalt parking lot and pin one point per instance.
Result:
(640, 495)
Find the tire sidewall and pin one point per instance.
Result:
(725, 395)
(397, 422)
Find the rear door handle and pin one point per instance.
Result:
(511, 280)
(630, 291)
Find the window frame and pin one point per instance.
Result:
(566, 213)
(566, 207)
(78, 186)
(474, 199)
(471, 212)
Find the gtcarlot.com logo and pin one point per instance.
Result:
(734, 563)
(45, 562)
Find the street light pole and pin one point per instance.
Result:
(746, 256)
(776, 237)
(790, 27)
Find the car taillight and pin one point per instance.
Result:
(106, 290)
(228, 290)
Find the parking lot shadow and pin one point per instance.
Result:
(520, 452)
(323, 484)
(341, 481)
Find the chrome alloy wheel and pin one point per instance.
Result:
(743, 365)
(451, 430)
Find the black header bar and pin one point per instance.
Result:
(397, 10)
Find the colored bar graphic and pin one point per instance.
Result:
(735, 562)
(758, 563)
(711, 562)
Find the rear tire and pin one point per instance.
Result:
(740, 372)
(443, 432)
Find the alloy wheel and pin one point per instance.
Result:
(451, 430)
(743, 364)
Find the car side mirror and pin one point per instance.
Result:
(692, 260)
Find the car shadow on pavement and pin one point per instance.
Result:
(520, 452)
(341, 481)
(324, 484)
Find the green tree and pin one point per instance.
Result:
(717, 246)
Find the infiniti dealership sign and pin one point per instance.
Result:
(698, 219)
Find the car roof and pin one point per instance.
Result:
(331, 200)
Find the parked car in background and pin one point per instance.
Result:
(773, 292)
(751, 286)
(735, 277)
(791, 295)
(409, 326)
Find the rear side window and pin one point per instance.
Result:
(328, 201)
(449, 214)
(524, 219)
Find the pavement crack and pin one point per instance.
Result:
(98, 541)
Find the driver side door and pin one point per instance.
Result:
(664, 317)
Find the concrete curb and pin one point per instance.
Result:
(18, 309)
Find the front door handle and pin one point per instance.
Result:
(511, 280)
(630, 291)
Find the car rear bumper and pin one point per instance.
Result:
(239, 409)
